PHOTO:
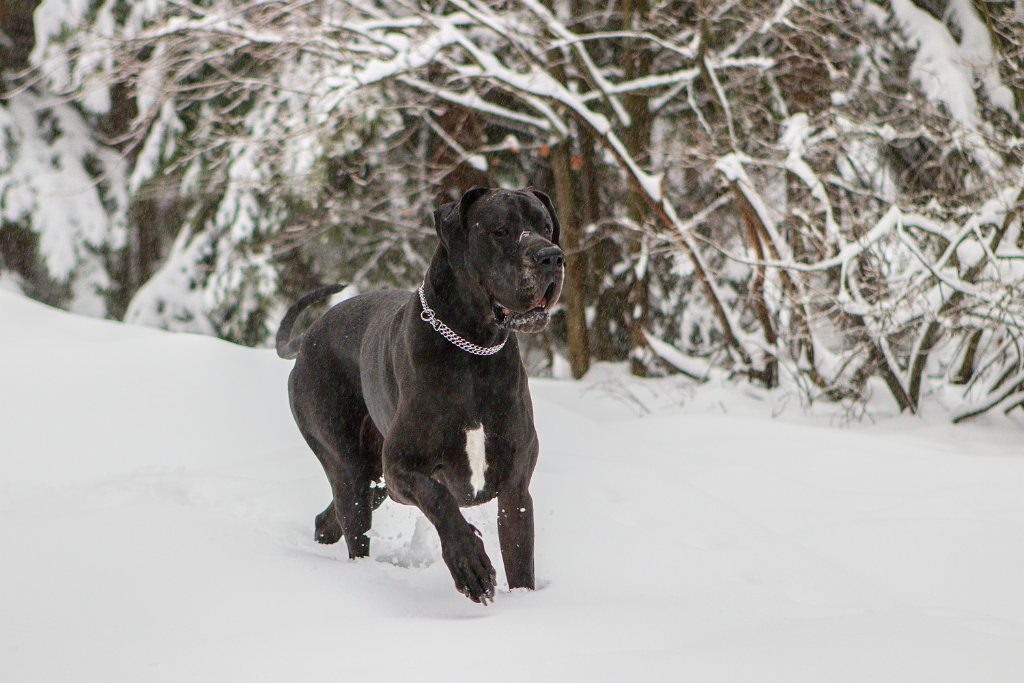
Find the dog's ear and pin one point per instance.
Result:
(556, 227)
(468, 199)
(450, 218)
(444, 215)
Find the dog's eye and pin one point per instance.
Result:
(501, 232)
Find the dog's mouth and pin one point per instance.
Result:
(533, 319)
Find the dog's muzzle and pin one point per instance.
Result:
(548, 263)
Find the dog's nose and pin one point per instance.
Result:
(549, 258)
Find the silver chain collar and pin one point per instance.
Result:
(428, 316)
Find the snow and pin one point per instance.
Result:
(45, 184)
(696, 368)
(945, 70)
(160, 145)
(472, 100)
(156, 508)
(173, 294)
(796, 130)
(593, 72)
(53, 16)
(937, 66)
(977, 51)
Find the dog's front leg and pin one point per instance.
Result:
(461, 545)
(515, 534)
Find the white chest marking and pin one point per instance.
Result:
(476, 453)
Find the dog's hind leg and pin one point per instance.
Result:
(349, 513)
(332, 418)
(351, 465)
(327, 527)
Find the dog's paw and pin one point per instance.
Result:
(327, 529)
(471, 569)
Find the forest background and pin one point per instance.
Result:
(819, 197)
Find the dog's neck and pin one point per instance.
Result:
(461, 304)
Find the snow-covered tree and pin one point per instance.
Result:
(63, 194)
(820, 196)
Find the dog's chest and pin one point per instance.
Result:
(482, 434)
(481, 460)
(476, 457)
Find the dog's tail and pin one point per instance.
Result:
(286, 346)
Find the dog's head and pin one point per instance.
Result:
(505, 242)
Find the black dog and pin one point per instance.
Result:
(428, 390)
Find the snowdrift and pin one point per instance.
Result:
(156, 510)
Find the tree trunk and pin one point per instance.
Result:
(16, 25)
(637, 141)
(574, 288)
(602, 256)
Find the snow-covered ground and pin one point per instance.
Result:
(156, 510)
